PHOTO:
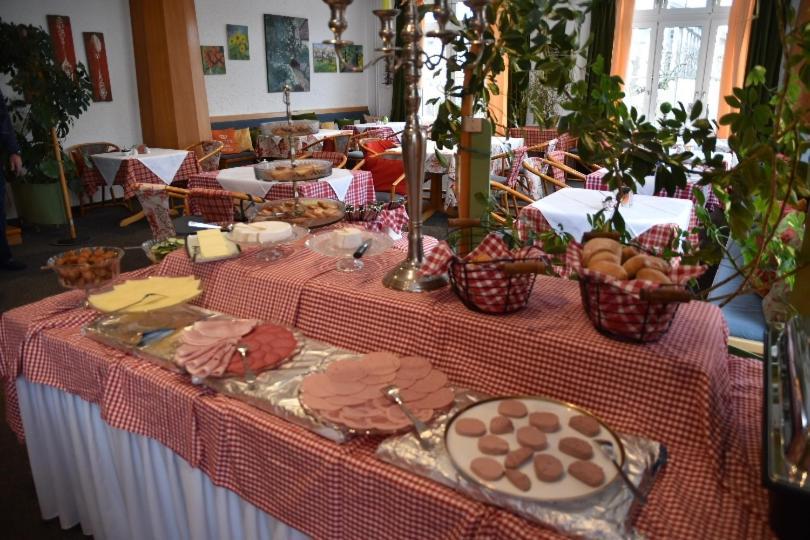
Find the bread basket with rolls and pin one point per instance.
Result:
(487, 271)
(628, 294)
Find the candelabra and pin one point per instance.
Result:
(410, 58)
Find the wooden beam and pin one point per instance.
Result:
(171, 88)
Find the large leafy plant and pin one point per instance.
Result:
(769, 130)
(45, 97)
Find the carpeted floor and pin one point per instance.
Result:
(19, 512)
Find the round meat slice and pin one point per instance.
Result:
(437, 400)
(532, 437)
(470, 427)
(410, 395)
(516, 458)
(587, 473)
(518, 479)
(548, 468)
(380, 363)
(347, 388)
(317, 384)
(319, 404)
(430, 382)
(268, 345)
(396, 415)
(587, 425)
(387, 378)
(195, 337)
(345, 371)
(545, 421)
(513, 408)
(486, 468)
(493, 445)
(414, 367)
(347, 401)
(500, 425)
(576, 447)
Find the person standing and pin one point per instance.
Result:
(8, 145)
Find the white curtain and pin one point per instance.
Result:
(120, 485)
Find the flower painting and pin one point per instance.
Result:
(238, 45)
(287, 53)
(324, 58)
(62, 38)
(213, 59)
(97, 66)
(351, 58)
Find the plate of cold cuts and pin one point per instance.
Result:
(208, 347)
(534, 448)
(348, 393)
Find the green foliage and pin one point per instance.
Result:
(769, 130)
(50, 98)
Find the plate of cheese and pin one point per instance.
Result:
(210, 245)
(143, 295)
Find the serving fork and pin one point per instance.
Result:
(603, 446)
(250, 375)
(422, 432)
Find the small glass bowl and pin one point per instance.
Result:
(87, 268)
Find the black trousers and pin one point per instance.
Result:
(5, 251)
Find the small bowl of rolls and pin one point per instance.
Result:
(629, 294)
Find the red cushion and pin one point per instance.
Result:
(384, 172)
(376, 146)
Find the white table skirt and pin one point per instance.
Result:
(120, 485)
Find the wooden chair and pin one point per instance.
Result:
(548, 184)
(154, 199)
(508, 202)
(218, 206)
(387, 172)
(338, 160)
(561, 172)
(90, 178)
(208, 154)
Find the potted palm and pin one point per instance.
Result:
(44, 97)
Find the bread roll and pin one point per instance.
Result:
(628, 252)
(659, 264)
(603, 256)
(656, 276)
(609, 268)
(596, 245)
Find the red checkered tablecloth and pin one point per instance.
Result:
(683, 390)
(132, 172)
(361, 188)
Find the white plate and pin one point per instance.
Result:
(326, 244)
(193, 250)
(462, 450)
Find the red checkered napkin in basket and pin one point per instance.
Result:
(394, 220)
(680, 274)
(492, 247)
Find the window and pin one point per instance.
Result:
(676, 54)
(432, 82)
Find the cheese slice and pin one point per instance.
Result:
(143, 295)
(212, 244)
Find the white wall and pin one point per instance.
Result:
(117, 121)
(243, 89)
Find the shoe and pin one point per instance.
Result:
(12, 265)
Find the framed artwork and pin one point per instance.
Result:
(238, 45)
(62, 38)
(97, 66)
(351, 58)
(286, 41)
(324, 58)
(213, 59)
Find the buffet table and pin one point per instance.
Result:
(684, 391)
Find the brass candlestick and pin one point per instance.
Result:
(409, 58)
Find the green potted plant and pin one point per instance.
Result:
(45, 97)
(769, 132)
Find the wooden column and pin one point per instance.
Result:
(171, 89)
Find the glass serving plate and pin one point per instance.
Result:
(87, 269)
(325, 243)
(312, 213)
(301, 170)
(271, 251)
(294, 128)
